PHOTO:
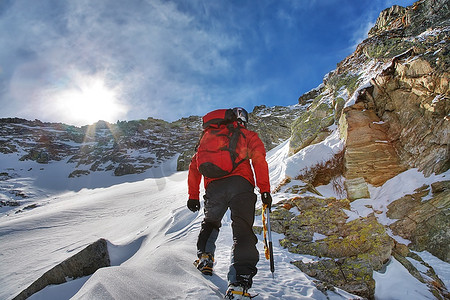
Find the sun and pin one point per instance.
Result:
(89, 100)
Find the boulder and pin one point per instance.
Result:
(125, 169)
(84, 263)
(351, 274)
(356, 188)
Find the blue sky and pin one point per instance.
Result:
(81, 60)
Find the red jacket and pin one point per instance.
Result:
(249, 145)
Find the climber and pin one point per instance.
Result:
(229, 183)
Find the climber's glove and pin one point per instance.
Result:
(266, 199)
(193, 205)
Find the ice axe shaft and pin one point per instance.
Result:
(268, 238)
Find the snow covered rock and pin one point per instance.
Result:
(273, 124)
(84, 263)
(348, 252)
(311, 127)
(423, 220)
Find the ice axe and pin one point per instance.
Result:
(268, 248)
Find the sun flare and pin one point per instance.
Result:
(89, 101)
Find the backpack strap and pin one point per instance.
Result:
(236, 133)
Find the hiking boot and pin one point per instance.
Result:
(238, 292)
(205, 264)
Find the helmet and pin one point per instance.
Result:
(241, 115)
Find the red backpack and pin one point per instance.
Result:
(216, 151)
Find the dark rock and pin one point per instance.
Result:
(184, 160)
(441, 186)
(84, 263)
(311, 126)
(273, 124)
(78, 173)
(125, 169)
(9, 203)
(308, 97)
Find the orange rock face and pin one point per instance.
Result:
(369, 153)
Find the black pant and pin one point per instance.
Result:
(237, 194)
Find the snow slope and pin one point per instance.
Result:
(152, 238)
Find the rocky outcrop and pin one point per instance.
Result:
(415, 102)
(84, 263)
(414, 19)
(391, 101)
(391, 18)
(311, 127)
(369, 153)
(273, 124)
(390, 97)
(424, 222)
(406, 111)
(411, 91)
(351, 251)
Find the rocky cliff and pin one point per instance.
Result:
(35, 149)
(122, 148)
(390, 101)
(390, 97)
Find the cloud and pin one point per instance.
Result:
(361, 33)
(163, 59)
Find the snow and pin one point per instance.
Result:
(440, 267)
(387, 284)
(397, 238)
(152, 236)
(62, 291)
(359, 208)
(431, 32)
(355, 95)
(438, 98)
(40, 182)
(276, 158)
(397, 187)
(312, 155)
(318, 237)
